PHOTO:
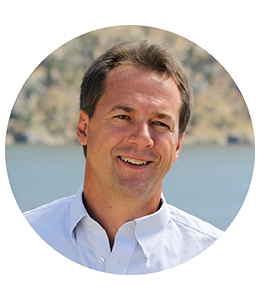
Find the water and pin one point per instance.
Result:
(208, 182)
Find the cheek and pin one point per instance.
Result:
(169, 150)
(102, 139)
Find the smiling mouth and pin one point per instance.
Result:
(133, 161)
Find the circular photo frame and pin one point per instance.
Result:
(45, 161)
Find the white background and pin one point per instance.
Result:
(31, 30)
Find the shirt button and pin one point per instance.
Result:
(147, 254)
(101, 260)
(90, 224)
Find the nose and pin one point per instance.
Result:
(141, 135)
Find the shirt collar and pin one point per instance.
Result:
(77, 212)
(147, 229)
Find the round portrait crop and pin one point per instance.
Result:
(130, 150)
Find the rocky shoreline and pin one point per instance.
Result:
(42, 137)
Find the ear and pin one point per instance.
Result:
(82, 127)
(178, 147)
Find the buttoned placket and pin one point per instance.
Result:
(94, 249)
(123, 250)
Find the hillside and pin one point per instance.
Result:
(46, 109)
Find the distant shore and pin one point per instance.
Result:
(35, 138)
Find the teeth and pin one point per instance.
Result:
(133, 161)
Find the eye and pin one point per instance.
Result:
(122, 117)
(161, 124)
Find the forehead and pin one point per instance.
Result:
(129, 80)
(130, 72)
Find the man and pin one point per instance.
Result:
(135, 105)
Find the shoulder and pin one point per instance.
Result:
(54, 223)
(42, 216)
(193, 225)
(49, 207)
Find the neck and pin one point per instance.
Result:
(112, 212)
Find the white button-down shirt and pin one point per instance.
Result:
(149, 244)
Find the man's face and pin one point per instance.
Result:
(133, 136)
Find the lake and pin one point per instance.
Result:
(209, 182)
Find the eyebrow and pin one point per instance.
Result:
(122, 107)
(163, 116)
